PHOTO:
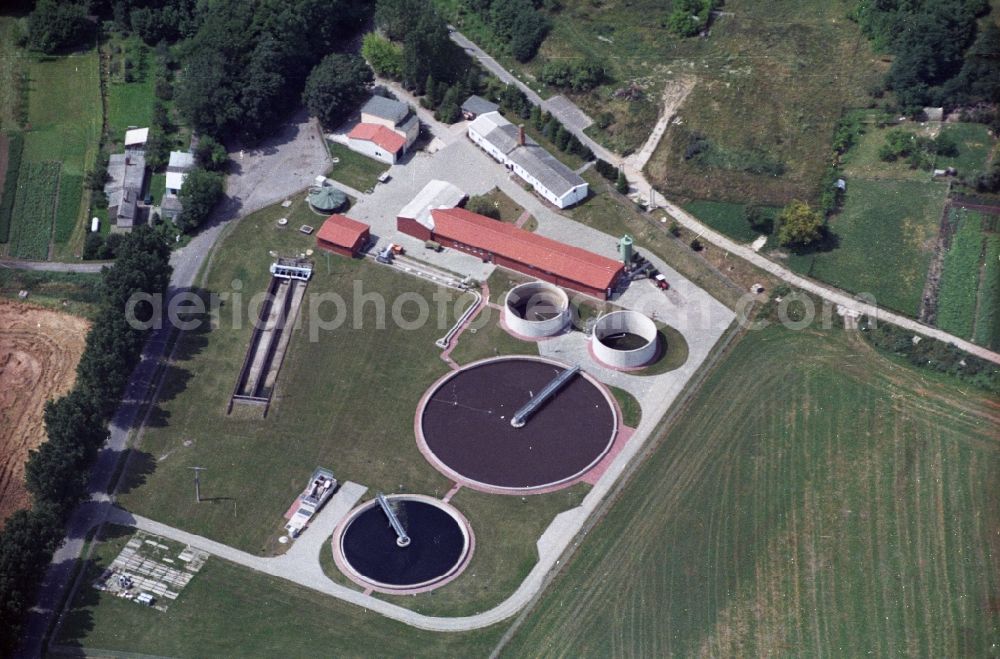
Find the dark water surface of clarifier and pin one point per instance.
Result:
(436, 544)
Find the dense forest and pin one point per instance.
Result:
(941, 57)
(243, 64)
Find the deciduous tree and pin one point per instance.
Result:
(799, 225)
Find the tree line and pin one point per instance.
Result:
(56, 473)
(940, 57)
(518, 25)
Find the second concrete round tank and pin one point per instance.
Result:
(624, 339)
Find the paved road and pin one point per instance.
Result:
(637, 181)
(263, 176)
(52, 266)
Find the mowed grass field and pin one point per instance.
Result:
(231, 611)
(728, 218)
(885, 235)
(62, 132)
(841, 506)
(130, 103)
(353, 169)
(345, 400)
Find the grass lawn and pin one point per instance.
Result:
(772, 80)
(344, 399)
(509, 209)
(862, 160)
(158, 187)
(67, 133)
(131, 103)
(71, 292)
(59, 130)
(886, 232)
(228, 610)
(489, 340)
(836, 506)
(961, 274)
(631, 410)
(974, 146)
(727, 218)
(674, 357)
(354, 170)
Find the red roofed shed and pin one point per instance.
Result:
(517, 249)
(343, 235)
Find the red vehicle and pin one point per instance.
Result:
(661, 282)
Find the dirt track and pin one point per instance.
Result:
(39, 350)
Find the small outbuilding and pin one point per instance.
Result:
(477, 105)
(343, 235)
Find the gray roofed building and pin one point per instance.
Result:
(409, 127)
(506, 143)
(128, 210)
(543, 166)
(170, 207)
(116, 178)
(386, 108)
(477, 105)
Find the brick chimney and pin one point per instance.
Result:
(520, 134)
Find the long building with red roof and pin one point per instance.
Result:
(517, 249)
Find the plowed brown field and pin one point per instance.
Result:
(39, 350)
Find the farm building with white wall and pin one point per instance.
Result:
(507, 144)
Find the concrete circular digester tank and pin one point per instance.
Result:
(624, 339)
(536, 309)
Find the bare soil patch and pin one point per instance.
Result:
(39, 351)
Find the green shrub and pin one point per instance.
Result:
(932, 354)
(483, 206)
(385, 57)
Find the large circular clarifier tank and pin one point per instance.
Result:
(536, 310)
(367, 549)
(624, 339)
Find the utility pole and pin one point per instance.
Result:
(197, 482)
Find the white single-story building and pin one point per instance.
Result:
(181, 162)
(387, 130)
(377, 142)
(507, 144)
